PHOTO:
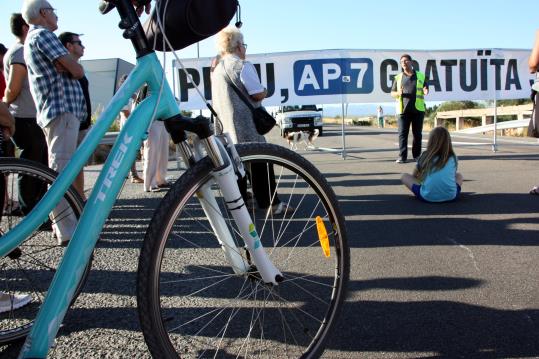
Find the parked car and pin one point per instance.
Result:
(299, 118)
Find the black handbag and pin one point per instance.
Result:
(264, 122)
(187, 21)
(533, 126)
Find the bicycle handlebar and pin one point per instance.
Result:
(129, 22)
(106, 6)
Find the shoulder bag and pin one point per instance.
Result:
(264, 122)
(533, 126)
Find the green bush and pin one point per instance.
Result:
(390, 121)
(358, 122)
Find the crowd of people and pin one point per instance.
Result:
(45, 111)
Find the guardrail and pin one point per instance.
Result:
(109, 138)
(486, 115)
(499, 126)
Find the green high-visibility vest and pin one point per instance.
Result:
(419, 98)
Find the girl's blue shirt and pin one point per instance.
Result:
(440, 185)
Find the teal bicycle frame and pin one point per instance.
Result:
(160, 104)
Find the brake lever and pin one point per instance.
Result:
(106, 6)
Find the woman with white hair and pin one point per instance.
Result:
(235, 115)
(233, 112)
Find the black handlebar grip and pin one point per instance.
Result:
(142, 2)
(106, 6)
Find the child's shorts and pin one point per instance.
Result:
(416, 189)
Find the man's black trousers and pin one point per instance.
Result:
(404, 121)
(30, 140)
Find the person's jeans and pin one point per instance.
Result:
(404, 121)
(30, 140)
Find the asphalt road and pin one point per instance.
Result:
(454, 280)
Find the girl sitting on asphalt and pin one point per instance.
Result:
(435, 178)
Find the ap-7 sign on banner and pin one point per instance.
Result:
(366, 76)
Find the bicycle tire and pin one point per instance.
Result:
(175, 309)
(29, 269)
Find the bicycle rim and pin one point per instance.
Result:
(192, 304)
(29, 269)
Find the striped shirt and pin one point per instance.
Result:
(54, 93)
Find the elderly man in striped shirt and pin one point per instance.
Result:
(53, 75)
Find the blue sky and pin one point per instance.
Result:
(294, 25)
(279, 25)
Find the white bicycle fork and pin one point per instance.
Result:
(225, 177)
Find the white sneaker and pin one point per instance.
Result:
(282, 208)
(9, 302)
(61, 242)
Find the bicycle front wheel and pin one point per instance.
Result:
(192, 304)
(26, 273)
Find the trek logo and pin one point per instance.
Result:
(333, 76)
(252, 232)
(113, 170)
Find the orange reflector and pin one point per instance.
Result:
(322, 235)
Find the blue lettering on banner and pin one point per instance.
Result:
(333, 76)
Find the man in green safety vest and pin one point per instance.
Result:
(409, 89)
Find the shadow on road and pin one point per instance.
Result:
(444, 328)
(442, 223)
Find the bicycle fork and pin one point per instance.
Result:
(225, 176)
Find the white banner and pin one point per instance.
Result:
(365, 76)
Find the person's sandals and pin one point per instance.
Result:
(535, 190)
(164, 185)
(13, 208)
(137, 180)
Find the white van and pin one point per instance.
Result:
(299, 118)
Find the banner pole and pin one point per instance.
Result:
(495, 134)
(198, 60)
(343, 153)
(494, 145)
(344, 80)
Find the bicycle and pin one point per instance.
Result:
(214, 278)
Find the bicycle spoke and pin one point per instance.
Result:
(184, 239)
(211, 231)
(229, 320)
(198, 278)
(291, 278)
(252, 324)
(30, 280)
(299, 309)
(36, 262)
(309, 292)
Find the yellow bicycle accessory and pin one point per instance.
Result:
(322, 236)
